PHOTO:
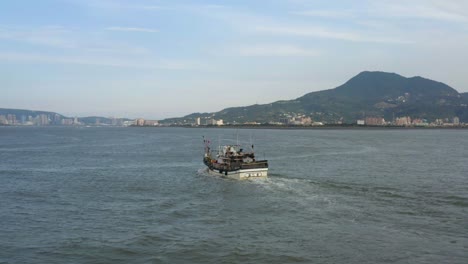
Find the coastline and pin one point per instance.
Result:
(324, 127)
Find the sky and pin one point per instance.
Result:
(158, 59)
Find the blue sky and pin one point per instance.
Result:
(157, 59)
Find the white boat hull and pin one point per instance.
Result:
(242, 174)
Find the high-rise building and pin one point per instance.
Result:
(403, 121)
(11, 119)
(197, 121)
(67, 122)
(375, 121)
(140, 122)
(214, 122)
(43, 120)
(57, 119)
(151, 123)
(456, 121)
(3, 120)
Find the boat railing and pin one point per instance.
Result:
(255, 165)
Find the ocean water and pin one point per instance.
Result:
(141, 195)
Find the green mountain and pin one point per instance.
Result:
(376, 94)
(465, 97)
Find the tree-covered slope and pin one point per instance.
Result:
(367, 94)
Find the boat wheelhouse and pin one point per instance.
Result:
(234, 162)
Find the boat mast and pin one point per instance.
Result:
(219, 145)
(251, 143)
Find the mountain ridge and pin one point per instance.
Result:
(56, 118)
(19, 112)
(369, 93)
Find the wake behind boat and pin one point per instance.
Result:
(233, 162)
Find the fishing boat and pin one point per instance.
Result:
(232, 161)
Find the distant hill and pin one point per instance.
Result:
(22, 116)
(26, 113)
(465, 97)
(379, 94)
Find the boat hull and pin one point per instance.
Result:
(241, 174)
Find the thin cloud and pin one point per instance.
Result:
(60, 38)
(53, 36)
(319, 32)
(275, 51)
(438, 10)
(114, 5)
(149, 7)
(325, 14)
(258, 24)
(450, 11)
(133, 29)
(103, 61)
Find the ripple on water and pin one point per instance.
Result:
(129, 195)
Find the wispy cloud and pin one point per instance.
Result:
(320, 32)
(149, 7)
(54, 36)
(260, 25)
(275, 50)
(61, 38)
(115, 5)
(133, 29)
(438, 10)
(326, 13)
(154, 64)
(452, 11)
(383, 21)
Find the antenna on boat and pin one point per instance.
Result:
(251, 142)
(237, 134)
(219, 145)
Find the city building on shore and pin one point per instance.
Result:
(3, 120)
(297, 120)
(67, 122)
(151, 123)
(144, 122)
(139, 122)
(403, 121)
(214, 122)
(252, 123)
(374, 121)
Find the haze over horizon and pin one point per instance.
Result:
(160, 59)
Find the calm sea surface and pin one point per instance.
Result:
(141, 195)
